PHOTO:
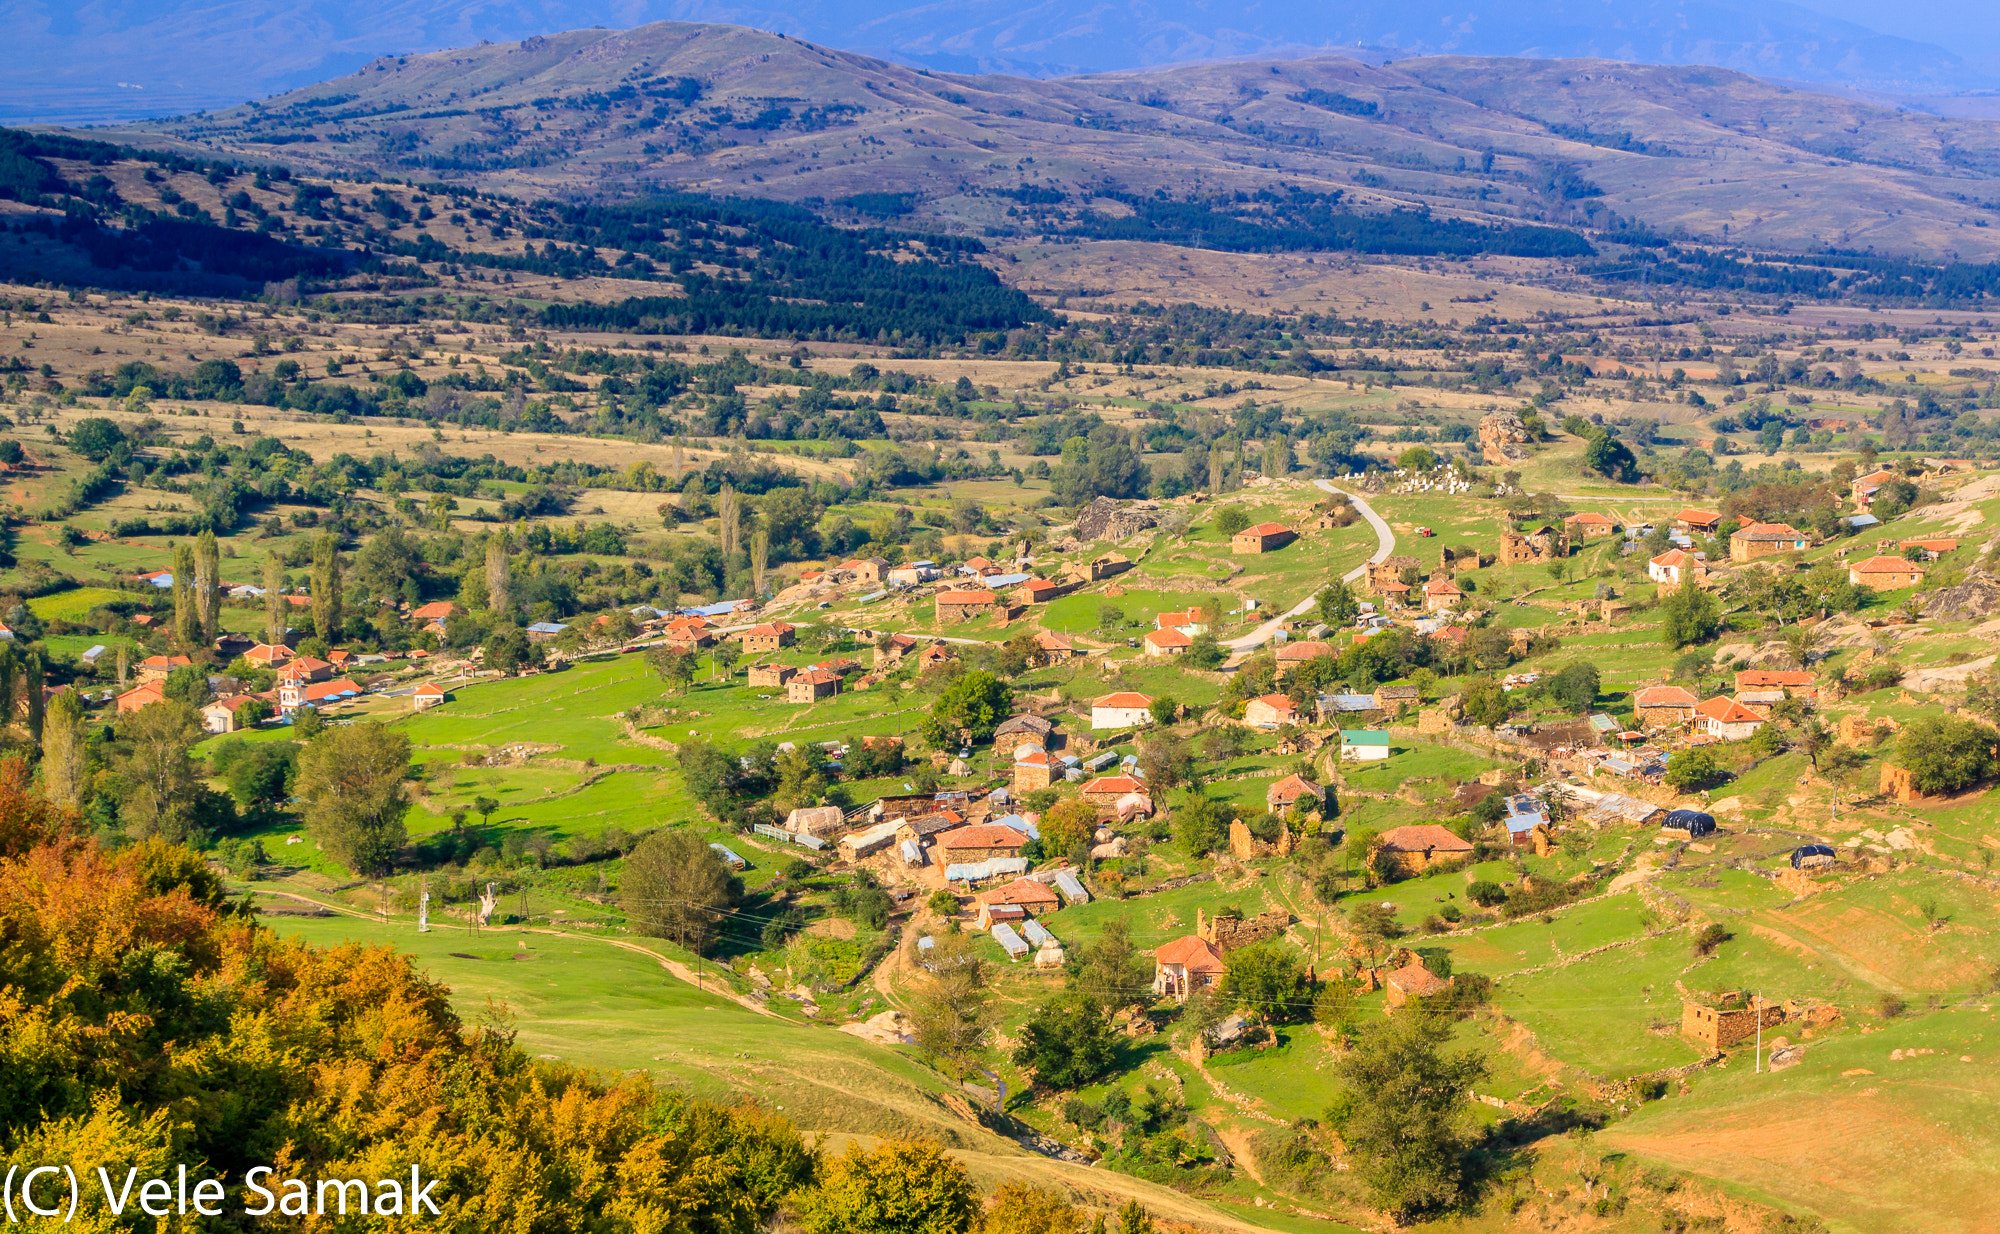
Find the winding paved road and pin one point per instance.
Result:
(1385, 544)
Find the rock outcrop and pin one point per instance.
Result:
(1105, 519)
(1977, 596)
(1502, 436)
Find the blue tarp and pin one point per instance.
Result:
(1019, 824)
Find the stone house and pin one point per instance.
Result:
(934, 655)
(772, 676)
(1588, 525)
(768, 637)
(1025, 896)
(963, 845)
(1263, 538)
(1033, 770)
(1886, 573)
(1413, 849)
(1390, 570)
(956, 606)
(1736, 1020)
(1544, 544)
(1292, 655)
(221, 715)
(1412, 980)
(1755, 540)
(1106, 790)
(864, 569)
(1393, 698)
(1664, 706)
(1931, 549)
(1053, 648)
(1161, 644)
(1037, 591)
(1441, 594)
(1290, 791)
(812, 685)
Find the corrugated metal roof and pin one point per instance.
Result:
(1019, 824)
(1004, 580)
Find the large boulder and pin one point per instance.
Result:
(1105, 519)
(1502, 435)
(1977, 596)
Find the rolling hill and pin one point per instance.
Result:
(111, 62)
(1714, 154)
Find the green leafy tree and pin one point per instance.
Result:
(1403, 1114)
(96, 438)
(1574, 687)
(951, 1005)
(1231, 519)
(1068, 826)
(1134, 1219)
(352, 779)
(672, 665)
(508, 649)
(1067, 1043)
(1688, 615)
(1691, 770)
(675, 886)
(1337, 605)
(1268, 979)
(968, 710)
(1111, 971)
(188, 684)
(899, 1187)
(1610, 458)
(1944, 754)
(1017, 1208)
(1162, 709)
(1206, 653)
(1198, 824)
(326, 586)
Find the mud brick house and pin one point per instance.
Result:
(956, 606)
(1441, 593)
(768, 637)
(1755, 540)
(772, 676)
(1263, 538)
(1738, 1019)
(1390, 570)
(1664, 706)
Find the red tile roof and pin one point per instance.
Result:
(1192, 952)
(1020, 891)
(1887, 565)
(1663, 696)
(1265, 529)
(1421, 836)
(1167, 638)
(1727, 711)
(1123, 698)
(1755, 678)
(1114, 784)
(965, 597)
(982, 835)
(1303, 651)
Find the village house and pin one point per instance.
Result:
(1269, 711)
(1291, 791)
(222, 715)
(895, 648)
(1034, 770)
(1123, 709)
(156, 668)
(426, 696)
(1022, 898)
(812, 685)
(1588, 525)
(1026, 727)
(1190, 622)
(1676, 566)
(1394, 698)
(1796, 683)
(963, 845)
(1413, 849)
(688, 634)
(1931, 549)
(1864, 488)
(1052, 648)
(1106, 790)
(1664, 706)
(1412, 980)
(1395, 593)
(864, 569)
(856, 845)
(1037, 591)
(270, 655)
(956, 606)
(772, 676)
(311, 667)
(1441, 594)
(142, 695)
(1185, 965)
(768, 637)
(1363, 745)
(1735, 1021)
(1755, 540)
(1263, 538)
(1292, 655)
(1163, 643)
(1886, 573)
(1726, 719)
(923, 827)
(1693, 522)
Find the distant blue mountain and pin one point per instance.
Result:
(109, 60)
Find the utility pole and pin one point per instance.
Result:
(1757, 1009)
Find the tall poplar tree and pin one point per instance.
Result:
(277, 617)
(326, 587)
(187, 621)
(208, 585)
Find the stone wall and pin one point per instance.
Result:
(1229, 933)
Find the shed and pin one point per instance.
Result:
(1363, 744)
(1694, 822)
(1009, 941)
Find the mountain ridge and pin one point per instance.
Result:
(1710, 153)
